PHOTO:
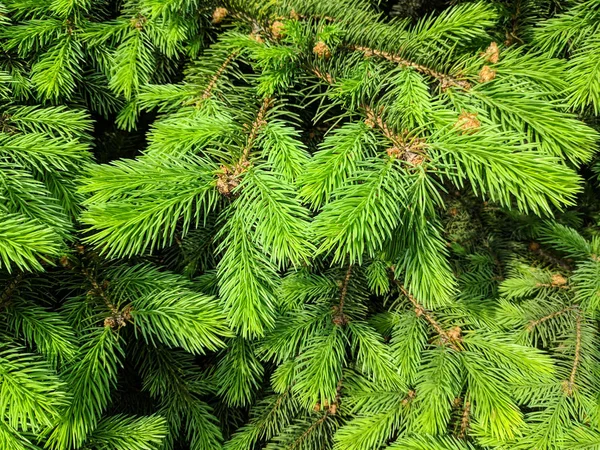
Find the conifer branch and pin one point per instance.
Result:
(256, 126)
(215, 78)
(451, 337)
(317, 358)
(569, 386)
(10, 289)
(534, 247)
(309, 430)
(118, 318)
(445, 80)
(465, 420)
(339, 317)
(98, 290)
(535, 323)
(229, 177)
(410, 151)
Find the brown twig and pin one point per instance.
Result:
(451, 337)
(213, 81)
(256, 126)
(376, 119)
(445, 80)
(339, 318)
(309, 430)
(535, 323)
(229, 177)
(569, 385)
(465, 420)
(118, 318)
(345, 287)
(10, 289)
(98, 290)
(410, 149)
(534, 247)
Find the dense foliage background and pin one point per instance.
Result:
(299, 224)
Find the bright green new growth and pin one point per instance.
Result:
(299, 225)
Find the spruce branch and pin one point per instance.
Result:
(339, 318)
(534, 323)
(569, 385)
(229, 178)
(258, 123)
(98, 290)
(465, 420)
(298, 442)
(451, 337)
(445, 80)
(10, 288)
(208, 91)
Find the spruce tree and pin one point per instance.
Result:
(299, 224)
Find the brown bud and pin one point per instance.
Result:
(455, 334)
(409, 397)
(453, 212)
(492, 53)
(110, 322)
(534, 246)
(486, 74)
(229, 178)
(138, 22)
(468, 122)
(322, 50)
(294, 15)
(317, 407)
(333, 408)
(257, 37)
(219, 14)
(415, 159)
(126, 313)
(558, 280)
(277, 29)
(339, 318)
(64, 261)
(394, 152)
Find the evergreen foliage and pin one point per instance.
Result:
(299, 224)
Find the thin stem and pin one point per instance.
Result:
(99, 291)
(446, 337)
(535, 323)
(376, 119)
(570, 387)
(258, 123)
(10, 288)
(309, 430)
(465, 420)
(213, 81)
(345, 288)
(339, 318)
(421, 311)
(445, 80)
